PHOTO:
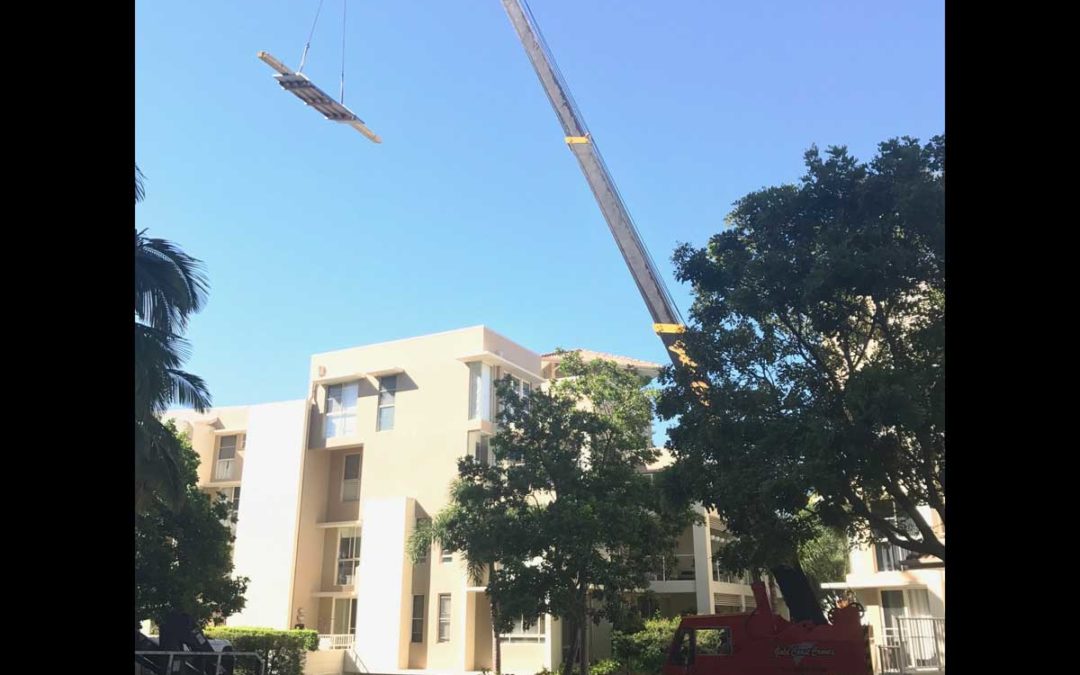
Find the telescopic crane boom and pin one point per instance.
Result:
(666, 319)
(667, 322)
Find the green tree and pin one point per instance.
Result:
(183, 554)
(170, 286)
(565, 509)
(824, 558)
(818, 326)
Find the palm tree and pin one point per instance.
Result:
(170, 286)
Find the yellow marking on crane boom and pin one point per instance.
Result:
(668, 328)
(577, 139)
(680, 351)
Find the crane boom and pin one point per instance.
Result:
(667, 322)
(665, 315)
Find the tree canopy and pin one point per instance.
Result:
(565, 509)
(183, 554)
(818, 324)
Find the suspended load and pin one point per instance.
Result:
(306, 91)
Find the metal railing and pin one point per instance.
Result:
(191, 662)
(336, 641)
(913, 645)
(223, 469)
(722, 575)
(676, 567)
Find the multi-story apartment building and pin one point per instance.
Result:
(904, 598)
(333, 485)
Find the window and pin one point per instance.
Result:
(232, 496)
(225, 468)
(445, 556)
(421, 522)
(527, 630)
(341, 409)
(888, 555)
(387, 390)
(343, 621)
(912, 603)
(712, 642)
(348, 555)
(476, 390)
(479, 447)
(520, 387)
(444, 617)
(350, 482)
(727, 603)
(417, 618)
(704, 642)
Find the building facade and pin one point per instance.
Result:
(328, 490)
(904, 598)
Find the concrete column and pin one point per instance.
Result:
(384, 584)
(702, 566)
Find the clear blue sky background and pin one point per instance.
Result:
(473, 211)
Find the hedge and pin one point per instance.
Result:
(282, 650)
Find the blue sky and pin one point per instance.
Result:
(473, 211)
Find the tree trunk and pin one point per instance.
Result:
(497, 647)
(584, 670)
(570, 658)
(584, 647)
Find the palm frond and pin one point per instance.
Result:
(140, 193)
(170, 285)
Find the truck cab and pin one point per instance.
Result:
(764, 643)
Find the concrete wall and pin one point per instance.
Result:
(266, 522)
(382, 637)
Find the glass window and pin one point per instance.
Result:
(350, 485)
(341, 409)
(417, 618)
(348, 555)
(387, 393)
(479, 446)
(344, 619)
(444, 617)
(713, 642)
(526, 629)
(225, 467)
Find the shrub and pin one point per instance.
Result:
(605, 667)
(644, 651)
(281, 650)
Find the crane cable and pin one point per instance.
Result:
(344, 7)
(311, 33)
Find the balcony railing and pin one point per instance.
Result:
(224, 469)
(336, 641)
(913, 645)
(677, 567)
(724, 576)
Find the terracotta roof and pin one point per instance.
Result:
(590, 355)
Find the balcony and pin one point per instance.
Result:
(725, 577)
(677, 567)
(913, 645)
(226, 470)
